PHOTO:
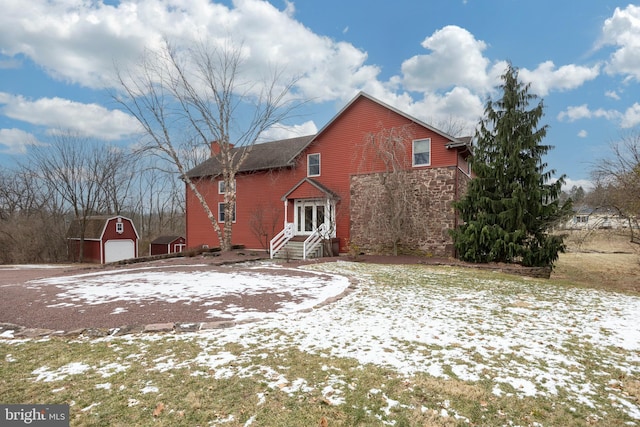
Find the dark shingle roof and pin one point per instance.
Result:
(267, 155)
(94, 227)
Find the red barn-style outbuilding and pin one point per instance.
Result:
(167, 245)
(106, 239)
(295, 188)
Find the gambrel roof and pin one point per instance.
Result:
(94, 227)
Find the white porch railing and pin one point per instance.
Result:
(281, 239)
(314, 239)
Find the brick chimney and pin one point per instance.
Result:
(215, 148)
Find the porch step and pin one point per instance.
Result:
(293, 249)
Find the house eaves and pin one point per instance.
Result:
(389, 107)
(330, 194)
(263, 156)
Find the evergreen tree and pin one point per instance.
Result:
(510, 204)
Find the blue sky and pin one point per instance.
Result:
(436, 60)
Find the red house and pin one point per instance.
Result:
(167, 245)
(106, 239)
(324, 187)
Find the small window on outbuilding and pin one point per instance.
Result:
(119, 227)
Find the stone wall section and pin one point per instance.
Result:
(434, 190)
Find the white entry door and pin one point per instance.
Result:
(309, 215)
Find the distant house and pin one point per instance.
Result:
(106, 239)
(167, 245)
(304, 188)
(588, 218)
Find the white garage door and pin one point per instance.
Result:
(115, 250)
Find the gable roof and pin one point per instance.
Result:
(165, 240)
(327, 192)
(462, 141)
(283, 153)
(266, 155)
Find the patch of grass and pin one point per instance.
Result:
(266, 388)
(268, 378)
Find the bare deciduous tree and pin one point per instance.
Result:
(32, 222)
(618, 179)
(87, 176)
(204, 94)
(264, 222)
(454, 126)
(390, 201)
(159, 203)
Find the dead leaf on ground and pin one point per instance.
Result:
(158, 410)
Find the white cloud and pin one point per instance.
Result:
(631, 116)
(628, 119)
(612, 94)
(73, 41)
(56, 113)
(455, 58)
(281, 131)
(546, 78)
(16, 141)
(583, 134)
(622, 30)
(573, 113)
(459, 103)
(80, 42)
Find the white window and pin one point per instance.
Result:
(222, 187)
(313, 164)
(221, 212)
(582, 219)
(422, 152)
(119, 227)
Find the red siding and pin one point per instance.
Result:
(128, 232)
(91, 251)
(178, 244)
(94, 249)
(306, 191)
(340, 145)
(161, 248)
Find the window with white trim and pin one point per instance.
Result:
(221, 216)
(582, 219)
(222, 187)
(422, 152)
(119, 227)
(313, 164)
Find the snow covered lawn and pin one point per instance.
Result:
(411, 344)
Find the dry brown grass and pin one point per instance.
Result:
(604, 259)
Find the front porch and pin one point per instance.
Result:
(310, 222)
(320, 242)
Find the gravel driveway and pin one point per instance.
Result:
(177, 292)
